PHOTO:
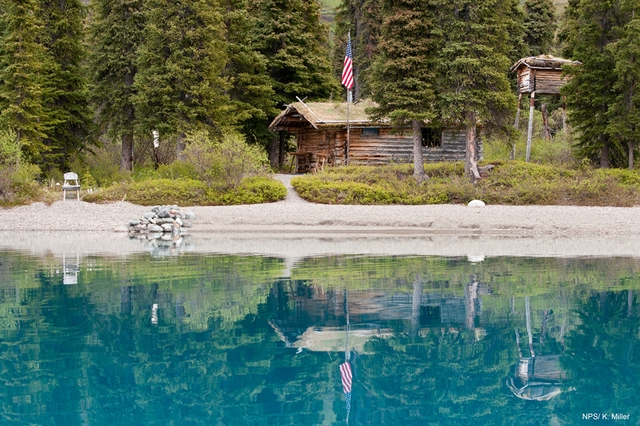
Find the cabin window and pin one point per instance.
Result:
(432, 137)
(370, 131)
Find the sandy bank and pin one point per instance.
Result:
(295, 229)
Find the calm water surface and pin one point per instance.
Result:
(241, 340)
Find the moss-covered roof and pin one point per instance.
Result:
(543, 62)
(323, 114)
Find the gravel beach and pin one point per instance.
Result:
(271, 228)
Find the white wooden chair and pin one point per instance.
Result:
(70, 184)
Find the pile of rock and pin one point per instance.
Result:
(162, 222)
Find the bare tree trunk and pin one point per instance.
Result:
(272, 150)
(180, 145)
(418, 161)
(604, 154)
(546, 131)
(281, 149)
(631, 144)
(471, 163)
(564, 114)
(126, 159)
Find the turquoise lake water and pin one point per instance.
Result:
(240, 340)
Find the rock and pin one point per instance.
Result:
(160, 221)
(476, 203)
(186, 224)
(155, 228)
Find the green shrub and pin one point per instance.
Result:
(509, 183)
(389, 184)
(225, 162)
(253, 190)
(184, 192)
(190, 192)
(18, 183)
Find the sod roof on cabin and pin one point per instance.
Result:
(323, 114)
(543, 62)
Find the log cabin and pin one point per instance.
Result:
(323, 137)
(541, 74)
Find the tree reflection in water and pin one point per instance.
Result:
(227, 340)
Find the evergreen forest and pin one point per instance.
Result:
(111, 88)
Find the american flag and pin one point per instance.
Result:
(347, 69)
(346, 376)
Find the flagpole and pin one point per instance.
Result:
(346, 348)
(349, 99)
(347, 353)
(347, 81)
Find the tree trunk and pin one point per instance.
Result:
(180, 145)
(471, 163)
(418, 161)
(604, 154)
(272, 150)
(631, 155)
(126, 160)
(281, 149)
(546, 131)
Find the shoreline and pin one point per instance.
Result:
(294, 229)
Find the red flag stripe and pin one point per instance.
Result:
(347, 69)
(345, 375)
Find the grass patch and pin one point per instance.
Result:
(190, 192)
(509, 183)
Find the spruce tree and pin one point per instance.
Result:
(295, 43)
(363, 19)
(22, 61)
(179, 87)
(65, 95)
(624, 125)
(590, 26)
(515, 19)
(290, 35)
(116, 29)
(250, 90)
(473, 67)
(540, 26)
(403, 75)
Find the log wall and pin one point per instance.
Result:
(389, 146)
(541, 81)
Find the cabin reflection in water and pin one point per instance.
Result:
(313, 318)
(537, 377)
